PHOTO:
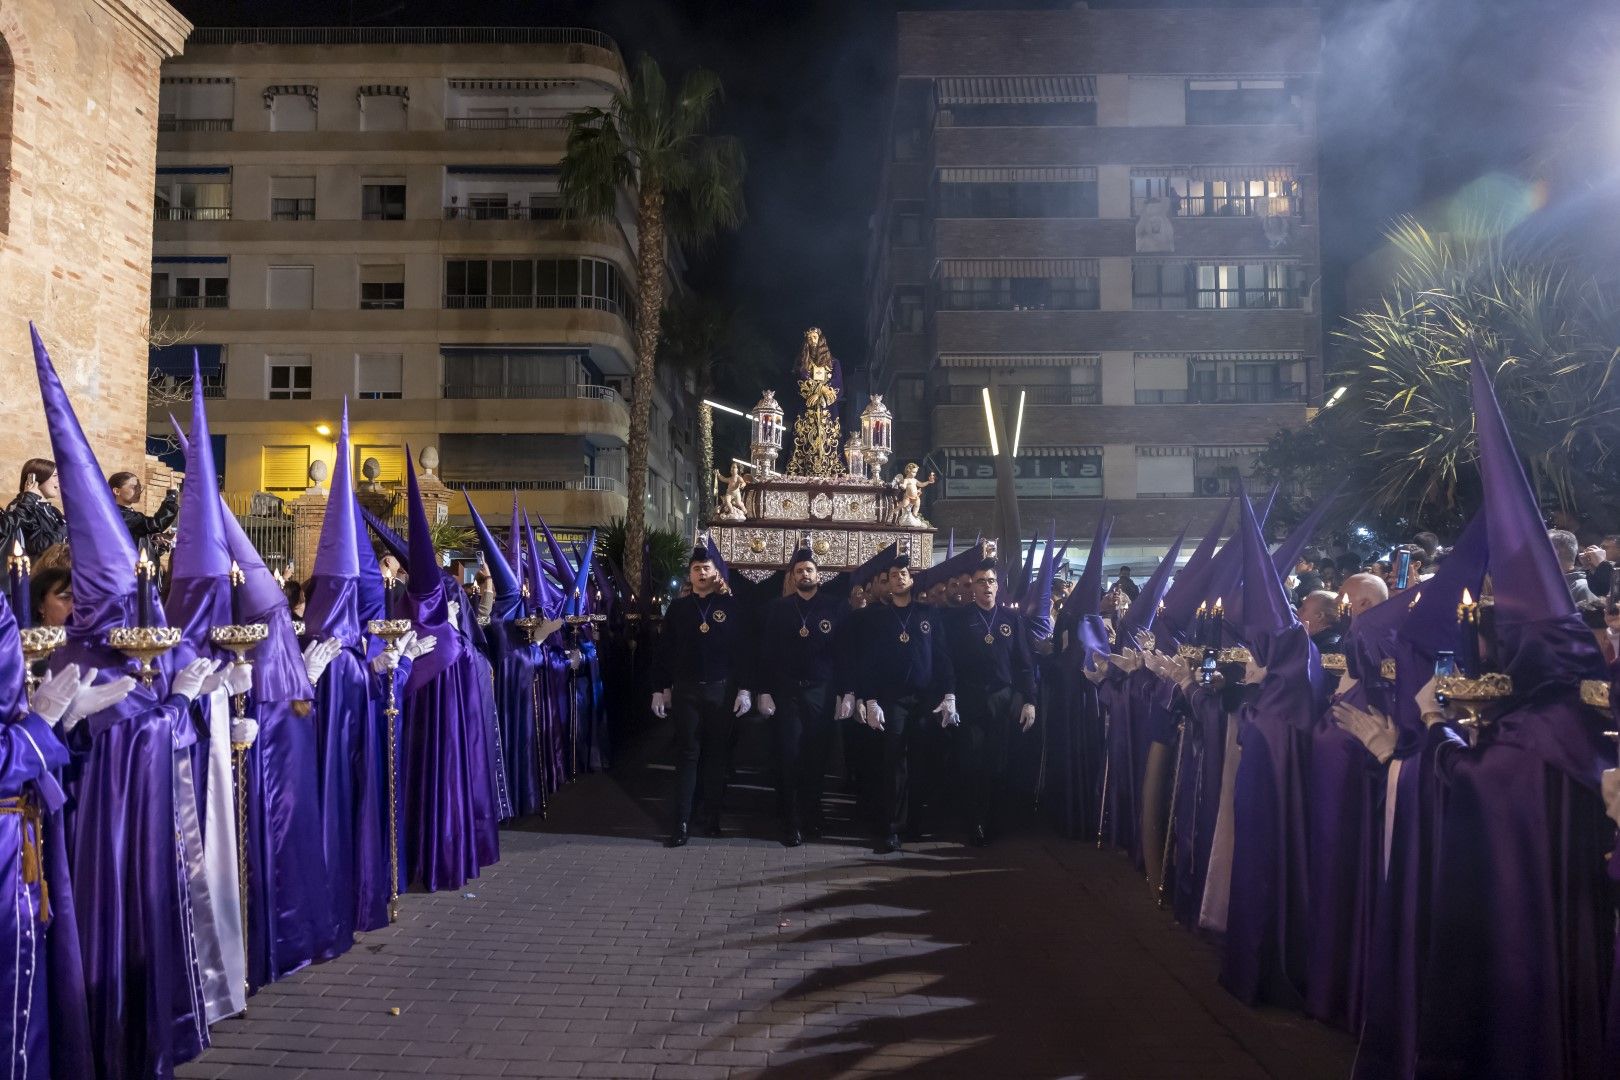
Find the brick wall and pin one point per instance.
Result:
(78, 144)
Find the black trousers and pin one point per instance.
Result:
(909, 771)
(703, 735)
(988, 719)
(804, 732)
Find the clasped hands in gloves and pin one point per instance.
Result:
(1370, 727)
(1097, 668)
(233, 677)
(411, 646)
(67, 696)
(318, 656)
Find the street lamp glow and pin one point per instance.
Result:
(1018, 428)
(728, 408)
(1334, 399)
(323, 430)
(990, 422)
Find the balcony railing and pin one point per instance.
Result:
(504, 213)
(179, 123)
(526, 300)
(609, 484)
(1079, 394)
(191, 301)
(501, 123)
(193, 213)
(540, 392)
(1225, 394)
(401, 35)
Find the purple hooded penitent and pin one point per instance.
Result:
(132, 912)
(200, 589)
(1263, 958)
(1287, 553)
(450, 822)
(1182, 598)
(1523, 834)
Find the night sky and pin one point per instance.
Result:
(1420, 98)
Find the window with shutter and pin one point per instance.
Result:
(390, 462)
(378, 376)
(382, 287)
(292, 198)
(290, 288)
(1164, 475)
(1161, 378)
(290, 378)
(285, 468)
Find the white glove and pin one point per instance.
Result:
(1026, 717)
(846, 707)
(767, 706)
(575, 658)
(874, 716)
(419, 645)
(1253, 673)
(92, 699)
(56, 692)
(947, 710)
(385, 661)
(1611, 794)
(455, 612)
(1127, 659)
(1429, 707)
(238, 678)
(244, 730)
(1097, 668)
(660, 704)
(744, 702)
(1370, 727)
(188, 681)
(1181, 673)
(318, 656)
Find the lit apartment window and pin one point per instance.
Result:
(202, 193)
(1248, 285)
(1218, 191)
(284, 469)
(382, 287)
(290, 378)
(292, 198)
(1244, 378)
(292, 107)
(534, 283)
(382, 201)
(1018, 193)
(290, 288)
(195, 103)
(1242, 101)
(378, 376)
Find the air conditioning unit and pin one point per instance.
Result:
(1210, 485)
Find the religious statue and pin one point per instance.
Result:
(731, 506)
(816, 435)
(910, 488)
(1154, 233)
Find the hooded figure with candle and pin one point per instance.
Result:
(555, 683)
(143, 989)
(1081, 634)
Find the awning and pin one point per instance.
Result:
(1237, 357)
(1226, 451)
(1230, 173)
(512, 86)
(1027, 452)
(1016, 89)
(503, 170)
(991, 360)
(190, 260)
(1017, 268)
(1053, 174)
(196, 80)
(380, 90)
(175, 360)
(194, 170)
(307, 90)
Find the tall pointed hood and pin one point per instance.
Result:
(1087, 595)
(1038, 604)
(1287, 553)
(508, 590)
(200, 591)
(1265, 609)
(560, 567)
(514, 548)
(950, 544)
(103, 553)
(387, 537)
(278, 666)
(1187, 590)
(718, 559)
(547, 598)
(333, 607)
(1541, 641)
(371, 598)
(579, 595)
(1143, 611)
(425, 602)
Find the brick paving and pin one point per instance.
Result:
(592, 951)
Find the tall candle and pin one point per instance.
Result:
(1216, 624)
(237, 580)
(1468, 635)
(17, 568)
(143, 590)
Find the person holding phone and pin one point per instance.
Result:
(33, 512)
(145, 529)
(1566, 547)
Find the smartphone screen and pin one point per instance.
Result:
(1206, 670)
(1445, 663)
(1403, 568)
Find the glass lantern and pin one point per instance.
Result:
(855, 455)
(877, 434)
(766, 445)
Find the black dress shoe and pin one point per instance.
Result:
(890, 843)
(979, 837)
(711, 828)
(792, 838)
(678, 837)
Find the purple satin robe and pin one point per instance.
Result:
(342, 716)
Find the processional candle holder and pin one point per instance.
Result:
(390, 631)
(239, 639)
(1472, 694)
(144, 644)
(1595, 692)
(1335, 662)
(38, 642)
(877, 435)
(768, 430)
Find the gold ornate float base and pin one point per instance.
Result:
(846, 520)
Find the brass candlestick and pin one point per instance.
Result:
(144, 644)
(390, 631)
(38, 642)
(1471, 694)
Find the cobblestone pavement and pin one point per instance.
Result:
(590, 950)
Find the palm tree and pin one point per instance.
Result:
(687, 186)
(1403, 429)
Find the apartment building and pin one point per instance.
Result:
(1111, 217)
(372, 214)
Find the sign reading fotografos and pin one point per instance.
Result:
(1037, 477)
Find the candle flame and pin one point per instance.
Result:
(1202, 608)
(237, 577)
(16, 547)
(1467, 599)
